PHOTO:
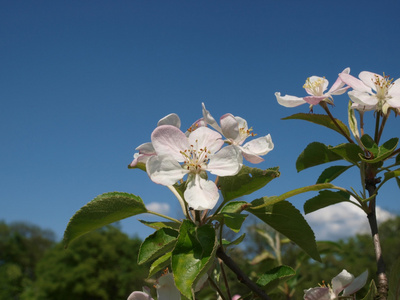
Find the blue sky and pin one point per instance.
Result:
(82, 83)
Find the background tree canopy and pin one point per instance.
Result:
(102, 265)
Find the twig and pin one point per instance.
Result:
(240, 275)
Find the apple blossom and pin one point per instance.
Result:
(315, 86)
(344, 281)
(373, 91)
(178, 155)
(146, 150)
(236, 131)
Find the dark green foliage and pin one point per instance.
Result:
(100, 266)
(22, 245)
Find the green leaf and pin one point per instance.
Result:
(156, 244)
(235, 207)
(369, 144)
(353, 121)
(328, 247)
(391, 174)
(233, 221)
(315, 154)
(332, 173)
(323, 120)
(102, 210)
(348, 151)
(160, 264)
(310, 188)
(394, 281)
(398, 181)
(286, 219)
(324, 199)
(272, 278)
(373, 292)
(237, 241)
(247, 181)
(383, 152)
(192, 256)
(158, 225)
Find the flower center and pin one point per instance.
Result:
(315, 87)
(382, 84)
(245, 133)
(195, 159)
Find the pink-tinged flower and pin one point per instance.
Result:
(315, 86)
(166, 290)
(146, 150)
(373, 91)
(236, 131)
(178, 155)
(344, 283)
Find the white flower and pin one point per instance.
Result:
(315, 86)
(146, 150)
(344, 281)
(178, 155)
(373, 91)
(236, 131)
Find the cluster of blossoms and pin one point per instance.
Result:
(370, 92)
(344, 283)
(172, 154)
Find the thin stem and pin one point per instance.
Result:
(240, 275)
(381, 269)
(225, 278)
(163, 216)
(361, 113)
(385, 117)
(181, 201)
(378, 118)
(325, 107)
(216, 287)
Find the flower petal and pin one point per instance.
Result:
(201, 194)
(171, 119)
(164, 170)
(369, 79)
(169, 140)
(208, 118)
(363, 98)
(340, 281)
(205, 137)
(166, 288)
(139, 296)
(357, 284)
(254, 148)
(226, 162)
(314, 100)
(289, 101)
(230, 127)
(337, 87)
(355, 83)
(318, 293)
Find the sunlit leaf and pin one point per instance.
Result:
(247, 181)
(286, 219)
(103, 210)
(237, 241)
(348, 151)
(160, 264)
(192, 256)
(158, 225)
(323, 120)
(369, 144)
(157, 244)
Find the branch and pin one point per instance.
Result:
(240, 275)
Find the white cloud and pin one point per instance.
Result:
(342, 220)
(161, 208)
